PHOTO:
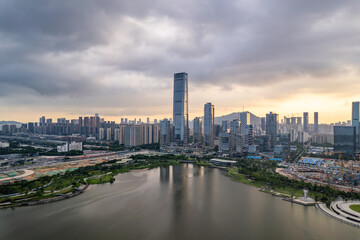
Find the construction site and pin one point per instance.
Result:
(342, 175)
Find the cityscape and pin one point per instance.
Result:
(91, 150)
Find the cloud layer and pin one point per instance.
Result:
(117, 57)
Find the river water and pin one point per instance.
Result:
(176, 202)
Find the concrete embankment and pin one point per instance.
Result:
(323, 208)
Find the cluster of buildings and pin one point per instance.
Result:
(242, 133)
(245, 133)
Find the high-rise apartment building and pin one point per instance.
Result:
(272, 120)
(197, 130)
(180, 108)
(209, 113)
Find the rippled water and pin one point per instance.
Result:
(179, 202)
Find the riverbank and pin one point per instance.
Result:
(67, 185)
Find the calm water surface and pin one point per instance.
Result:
(176, 202)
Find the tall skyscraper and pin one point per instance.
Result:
(263, 124)
(209, 113)
(306, 121)
(245, 121)
(180, 108)
(355, 118)
(197, 130)
(272, 120)
(235, 130)
(316, 122)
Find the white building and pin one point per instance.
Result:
(4, 144)
(77, 146)
(63, 148)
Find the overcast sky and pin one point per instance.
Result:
(117, 58)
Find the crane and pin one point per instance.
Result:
(341, 165)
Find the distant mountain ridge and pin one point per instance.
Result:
(10, 123)
(254, 120)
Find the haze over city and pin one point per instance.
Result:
(117, 58)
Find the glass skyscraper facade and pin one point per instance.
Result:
(345, 139)
(209, 113)
(180, 108)
(272, 120)
(197, 130)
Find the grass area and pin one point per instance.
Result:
(233, 173)
(355, 207)
(285, 191)
(202, 163)
(102, 179)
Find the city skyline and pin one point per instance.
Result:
(125, 66)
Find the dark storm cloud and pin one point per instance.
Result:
(62, 48)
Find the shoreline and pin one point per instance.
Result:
(87, 187)
(237, 177)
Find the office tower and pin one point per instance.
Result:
(155, 121)
(148, 120)
(197, 130)
(224, 141)
(224, 126)
(355, 118)
(345, 139)
(316, 122)
(49, 121)
(122, 121)
(209, 113)
(306, 122)
(164, 132)
(180, 108)
(235, 130)
(30, 127)
(245, 121)
(272, 120)
(42, 121)
(263, 123)
(126, 120)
